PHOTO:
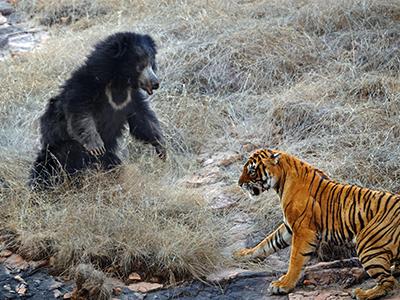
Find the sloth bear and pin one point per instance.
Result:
(81, 125)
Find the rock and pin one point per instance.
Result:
(20, 279)
(23, 42)
(57, 293)
(320, 295)
(21, 289)
(144, 287)
(250, 285)
(68, 295)
(223, 159)
(16, 261)
(156, 279)
(225, 274)
(6, 8)
(3, 19)
(345, 277)
(222, 197)
(303, 295)
(37, 284)
(117, 291)
(56, 285)
(346, 273)
(134, 277)
(206, 176)
(345, 263)
(230, 160)
(5, 253)
(38, 263)
(249, 147)
(14, 40)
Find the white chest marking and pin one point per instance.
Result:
(118, 106)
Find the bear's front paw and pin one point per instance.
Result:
(242, 253)
(95, 148)
(280, 287)
(161, 152)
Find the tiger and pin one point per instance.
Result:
(315, 209)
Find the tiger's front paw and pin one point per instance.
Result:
(281, 286)
(358, 294)
(239, 254)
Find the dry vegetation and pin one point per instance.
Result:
(319, 79)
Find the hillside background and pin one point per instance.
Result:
(318, 79)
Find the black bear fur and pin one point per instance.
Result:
(81, 125)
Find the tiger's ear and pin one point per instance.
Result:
(275, 157)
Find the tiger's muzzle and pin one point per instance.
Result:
(255, 188)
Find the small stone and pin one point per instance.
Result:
(249, 147)
(38, 264)
(16, 261)
(307, 282)
(68, 295)
(20, 279)
(230, 160)
(52, 261)
(8, 288)
(57, 293)
(21, 289)
(5, 253)
(134, 277)
(56, 285)
(116, 291)
(144, 287)
(206, 176)
(225, 275)
(155, 279)
(3, 19)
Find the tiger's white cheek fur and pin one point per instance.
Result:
(272, 182)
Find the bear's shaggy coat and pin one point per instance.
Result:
(81, 125)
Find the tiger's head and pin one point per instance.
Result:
(260, 172)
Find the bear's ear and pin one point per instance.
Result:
(150, 42)
(119, 47)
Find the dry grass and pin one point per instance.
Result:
(318, 80)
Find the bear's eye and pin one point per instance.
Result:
(140, 67)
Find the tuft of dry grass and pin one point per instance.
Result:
(319, 80)
(126, 222)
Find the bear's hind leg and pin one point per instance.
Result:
(109, 161)
(46, 171)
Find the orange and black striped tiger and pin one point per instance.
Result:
(317, 208)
